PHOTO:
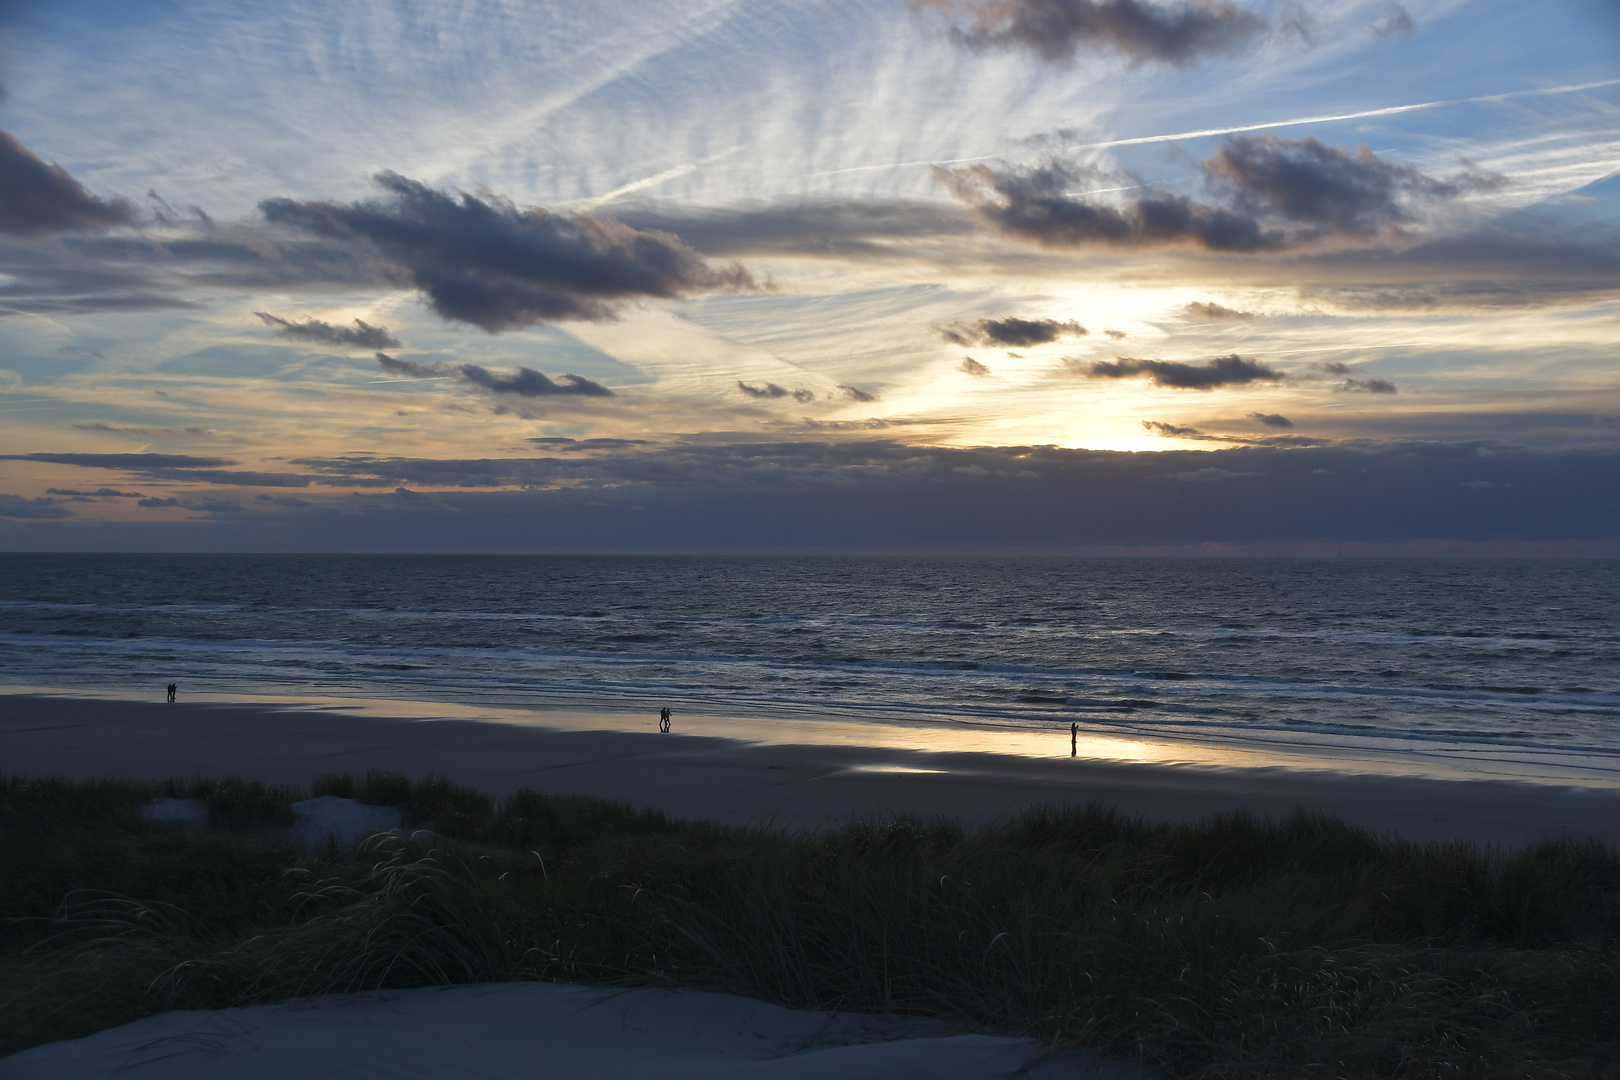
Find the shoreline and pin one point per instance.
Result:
(738, 780)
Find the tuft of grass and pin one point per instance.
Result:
(1231, 947)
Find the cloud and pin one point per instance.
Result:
(1395, 22)
(1211, 474)
(1177, 431)
(1141, 32)
(1367, 386)
(1328, 188)
(972, 367)
(856, 394)
(363, 336)
(1035, 205)
(99, 493)
(124, 461)
(207, 506)
(1231, 370)
(874, 493)
(771, 390)
(37, 199)
(1009, 331)
(15, 506)
(1273, 420)
(1215, 313)
(524, 382)
(824, 228)
(1270, 194)
(486, 262)
(1117, 335)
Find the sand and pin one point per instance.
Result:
(526, 1030)
(748, 781)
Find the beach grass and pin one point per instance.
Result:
(1231, 947)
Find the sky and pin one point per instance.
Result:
(811, 275)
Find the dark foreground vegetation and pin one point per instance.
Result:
(1231, 948)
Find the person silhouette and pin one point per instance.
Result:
(663, 719)
(1074, 738)
(173, 688)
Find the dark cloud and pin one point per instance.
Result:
(1367, 386)
(1215, 313)
(1117, 335)
(15, 506)
(1009, 331)
(1159, 427)
(99, 493)
(1327, 188)
(124, 461)
(37, 199)
(362, 336)
(877, 494)
(486, 262)
(771, 390)
(1036, 205)
(1231, 370)
(409, 369)
(1276, 420)
(1055, 30)
(1177, 431)
(855, 393)
(972, 367)
(1272, 194)
(1211, 474)
(524, 382)
(207, 506)
(1396, 21)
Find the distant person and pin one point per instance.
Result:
(1074, 738)
(663, 719)
(174, 688)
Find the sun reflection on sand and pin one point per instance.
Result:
(948, 738)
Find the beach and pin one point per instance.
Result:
(777, 782)
(823, 896)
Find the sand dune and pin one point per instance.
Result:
(532, 1029)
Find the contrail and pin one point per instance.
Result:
(1296, 122)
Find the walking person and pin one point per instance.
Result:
(173, 689)
(1074, 738)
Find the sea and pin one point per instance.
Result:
(1491, 659)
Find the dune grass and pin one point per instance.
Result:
(1234, 947)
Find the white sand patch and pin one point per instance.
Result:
(176, 811)
(343, 820)
(532, 1030)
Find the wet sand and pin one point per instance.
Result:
(740, 781)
